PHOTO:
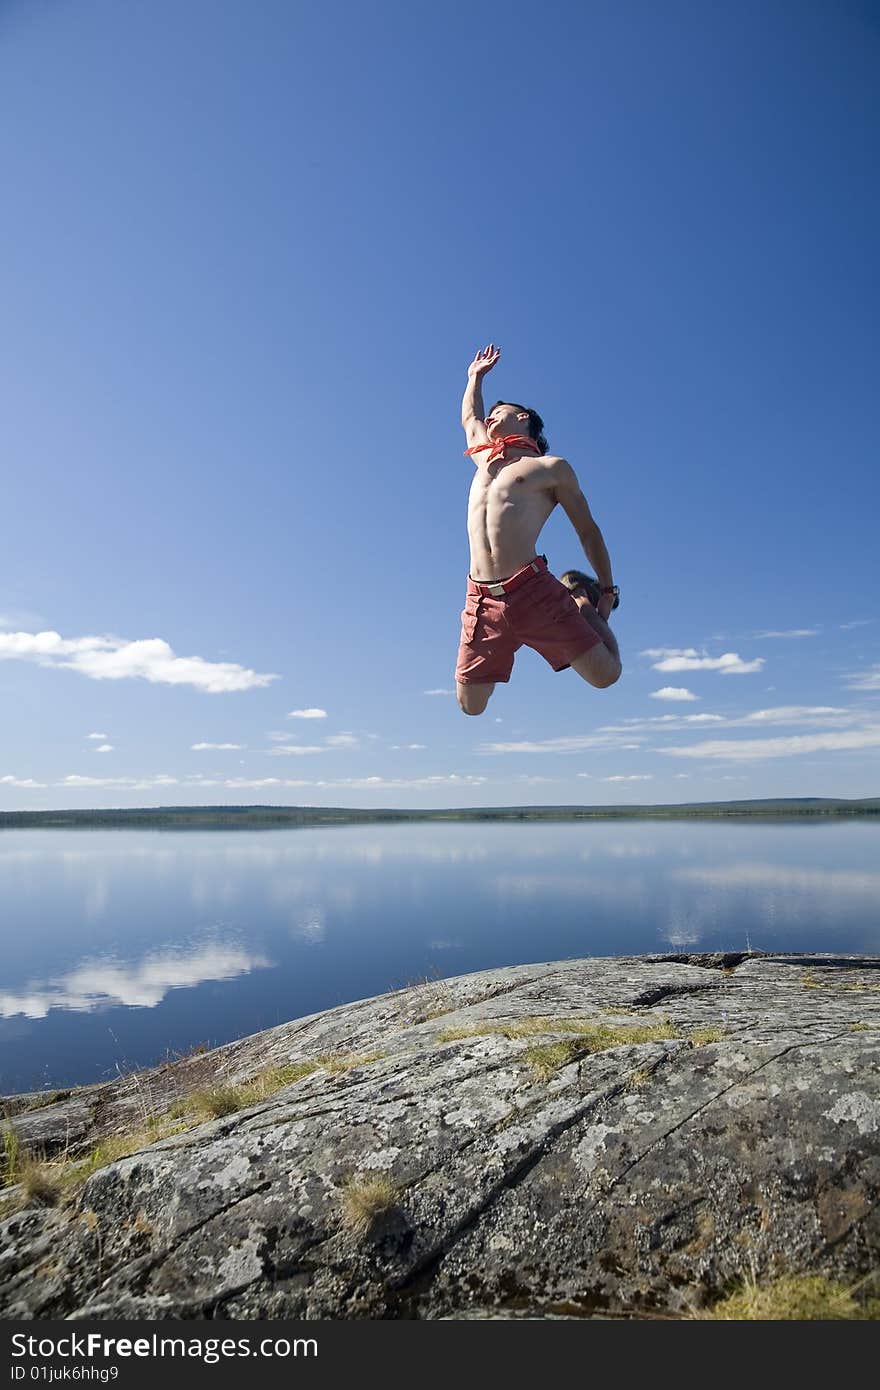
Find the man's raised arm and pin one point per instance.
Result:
(472, 408)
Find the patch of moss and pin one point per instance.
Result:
(793, 1298)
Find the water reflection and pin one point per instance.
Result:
(312, 928)
(102, 983)
(786, 877)
(278, 924)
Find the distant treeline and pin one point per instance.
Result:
(245, 817)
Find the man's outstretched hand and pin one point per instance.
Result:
(484, 361)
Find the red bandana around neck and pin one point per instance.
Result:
(499, 447)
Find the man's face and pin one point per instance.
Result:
(505, 419)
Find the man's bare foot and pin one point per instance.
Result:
(584, 602)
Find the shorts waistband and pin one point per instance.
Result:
(498, 587)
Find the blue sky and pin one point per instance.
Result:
(250, 249)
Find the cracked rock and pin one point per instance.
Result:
(590, 1138)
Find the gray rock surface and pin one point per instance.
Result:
(639, 1180)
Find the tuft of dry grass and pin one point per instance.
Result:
(546, 1059)
(588, 1035)
(637, 1079)
(792, 1298)
(338, 1062)
(35, 1180)
(10, 1158)
(700, 1037)
(365, 1197)
(214, 1102)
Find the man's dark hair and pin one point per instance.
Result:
(576, 579)
(535, 426)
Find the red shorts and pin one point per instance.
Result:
(540, 613)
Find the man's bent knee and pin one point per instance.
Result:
(599, 667)
(473, 699)
(602, 679)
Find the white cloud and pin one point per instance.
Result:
(577, 743)
(689, 659)
(635, 777)
(439, 779)
(673, 692)
(341, 741)
(307, 714)
(99, 737)
(656, 653)
(113, 658)
(857, 622)
(438, 692)
(376, 783)
(215, 747)
(673, 721)
(869, 680)
(119, 783)
(10, 781)
(781, 714)
(753, 750)
(296, 749)
(105, 748)
(76, 781)
(798, 714)
(793, 632)
(236, 783)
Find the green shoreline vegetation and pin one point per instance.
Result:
(247, 817)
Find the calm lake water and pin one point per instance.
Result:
(120, 946)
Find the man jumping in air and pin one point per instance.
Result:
(512, 598)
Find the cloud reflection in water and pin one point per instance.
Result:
(105, 983)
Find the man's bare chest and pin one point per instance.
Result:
(517, 484)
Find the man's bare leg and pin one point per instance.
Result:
(473, 699)
(601, 665)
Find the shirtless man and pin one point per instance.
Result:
(512, 598)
